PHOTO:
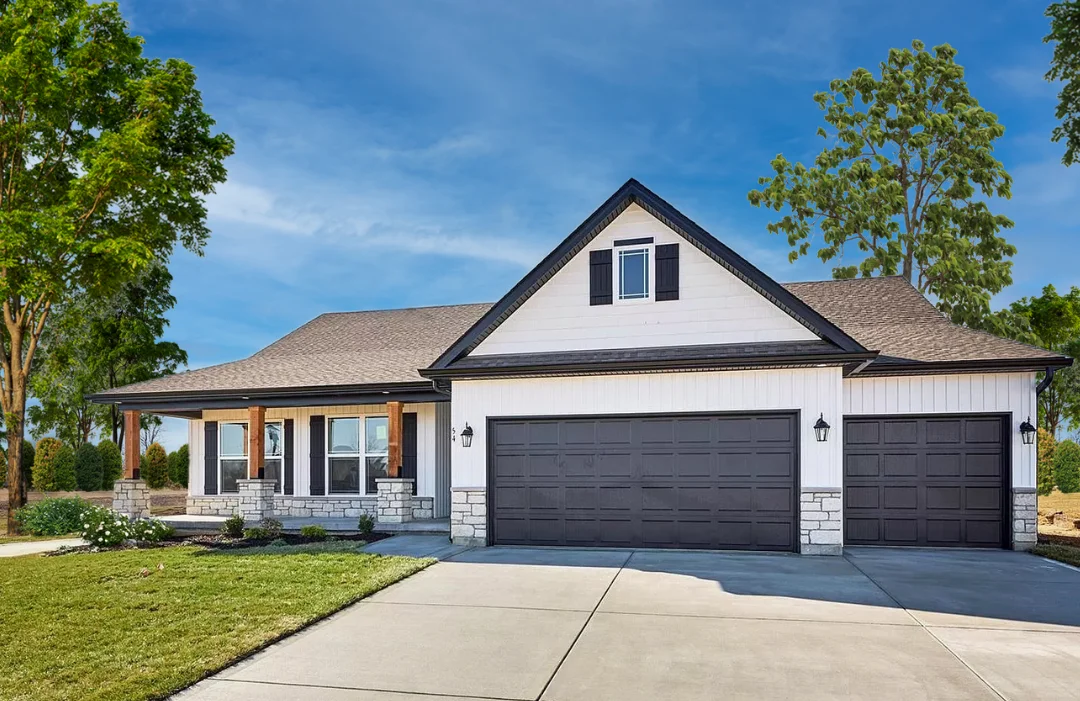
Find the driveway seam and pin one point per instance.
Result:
(929, 632)
(584, 626)
(418, 694)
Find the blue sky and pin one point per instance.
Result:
(410, 153)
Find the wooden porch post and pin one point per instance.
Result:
(394, 459)
(132, 434)
(256, 439)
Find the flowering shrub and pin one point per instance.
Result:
(104, 527)
(151, 530)
(53, 516)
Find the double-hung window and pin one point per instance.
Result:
(357, 454)
(233, 453)
(633, 273)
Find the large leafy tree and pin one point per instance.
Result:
(1065, 67)
(105, 159)
(902, 185)
(97, 343)
(1051, 321)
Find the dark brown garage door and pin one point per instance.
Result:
(929, 481)
(645, 481)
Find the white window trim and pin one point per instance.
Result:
(362, 455)
(280, 423)
(616, 285)
(246, 457)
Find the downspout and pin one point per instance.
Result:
(1045, 382)
(435, 386)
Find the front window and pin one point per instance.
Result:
(358, 454)
(634, 273)
(232, 455)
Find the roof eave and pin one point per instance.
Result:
(943, 367)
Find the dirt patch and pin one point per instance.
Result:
(163, 502)
(1058, 517)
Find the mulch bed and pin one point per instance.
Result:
(216, 541)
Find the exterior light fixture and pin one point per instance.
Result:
(466, 436)
(821, 429)
(1027, 432)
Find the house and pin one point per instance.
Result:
(642, 386)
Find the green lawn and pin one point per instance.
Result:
(1063, 553)
(90, 626)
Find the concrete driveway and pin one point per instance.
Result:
(515, 623)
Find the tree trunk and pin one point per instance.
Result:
(16, 484)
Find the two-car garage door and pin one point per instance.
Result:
(671, 481)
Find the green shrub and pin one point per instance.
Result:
(272, 526)
(1044, 481)
(365, 525)
(151, 530)
(1067, 466)
(256, 533)
(233, 526)
(154, 467)
(178, 466)
(112, 463)
(54, 466)
(104, 527)
(314, 532)
(53, 516)
(88, 468)
(279, 543)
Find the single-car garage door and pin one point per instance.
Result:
(678, 481)
(924, 480)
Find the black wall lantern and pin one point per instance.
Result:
(1027, 432)
(821, 429)
(466, 436)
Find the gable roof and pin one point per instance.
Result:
(889, 315)
(634, 192)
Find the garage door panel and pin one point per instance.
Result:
(944, 489)
(542, 433)
(671, 481)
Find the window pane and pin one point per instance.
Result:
(377, 434)
(273, 440)
(344, 475)
(344, 435)
(232, 470)
(273, 472)
(376, 468)
(233, 439)
(633, 274)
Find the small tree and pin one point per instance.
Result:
(1045, 469)
(112, 463)
(88, 467)
(1065, 69)
(1067, 466)
(178, 466)
(45, 464)
(155, 466)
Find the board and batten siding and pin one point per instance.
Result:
(425, 440)
(811, 392)
(713, 306)
(997, 393)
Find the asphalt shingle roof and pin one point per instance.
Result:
(884, 314)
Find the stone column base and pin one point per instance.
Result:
(395, 504)
(1025, 528)
(821, 522)
(131, 497)
(468, 516)
(256, 499)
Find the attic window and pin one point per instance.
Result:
(633, 273)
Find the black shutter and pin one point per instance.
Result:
(408, 448)
(600, 277)
(287, 461)
(318, 455)
(667, 272)
(210, 457)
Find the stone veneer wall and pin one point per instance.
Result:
(821, 522)
(468, 516)
(314, 507)
(131, 498)
(1025, 529)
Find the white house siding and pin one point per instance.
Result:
(999, 393)
(811, 392)
(713, 307)
(425, 440)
